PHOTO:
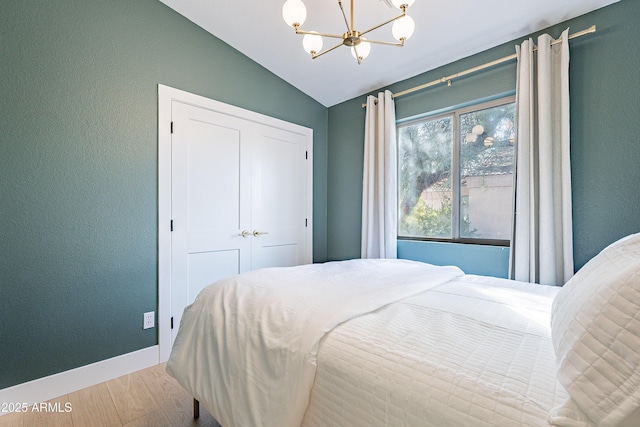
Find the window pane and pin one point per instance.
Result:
(424, 159)
(487, 139)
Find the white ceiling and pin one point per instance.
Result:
(446, 30)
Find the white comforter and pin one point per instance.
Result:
(247, 346)
(475, 351)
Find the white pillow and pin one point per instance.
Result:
(595, 328)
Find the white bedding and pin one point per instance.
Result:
(474, 351)
(247, 346)
(402, 343)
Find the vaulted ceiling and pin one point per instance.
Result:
(446, 30)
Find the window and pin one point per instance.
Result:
(456, 174)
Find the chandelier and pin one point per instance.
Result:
(294, 13)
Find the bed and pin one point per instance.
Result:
(404, 343)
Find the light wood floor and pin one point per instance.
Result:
(147, 398)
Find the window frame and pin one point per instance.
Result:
(455, 113)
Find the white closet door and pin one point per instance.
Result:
(279, 201)
(210, 199)
(223, 170)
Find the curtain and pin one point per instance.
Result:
(542, 244)
(379, 181)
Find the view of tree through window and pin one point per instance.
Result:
(456, 174)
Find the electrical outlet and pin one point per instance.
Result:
(149, 320)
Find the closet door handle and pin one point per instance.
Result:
(245, 233)
(257, 233)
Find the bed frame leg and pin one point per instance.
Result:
(196, 409)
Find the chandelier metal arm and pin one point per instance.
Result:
(315, 55)
(384, 23)
(397, 44)
(344, 15)
(357, 55)
(313, 33)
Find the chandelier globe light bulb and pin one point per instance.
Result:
(403, 28)
(312, 43)
(294, 12)
(363, 49)
(477, 130)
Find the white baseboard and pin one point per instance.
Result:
(56, 385)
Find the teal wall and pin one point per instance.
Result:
(78, 168)
(473, 259)
(605, 129)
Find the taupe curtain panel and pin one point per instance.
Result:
(379, 181)
(542, 244)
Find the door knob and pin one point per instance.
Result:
(245, 233)
(257, 233)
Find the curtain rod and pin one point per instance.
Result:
(448, 79)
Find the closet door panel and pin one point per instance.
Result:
(278, 197)
(211, 197)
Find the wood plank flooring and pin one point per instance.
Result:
(147, 398)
